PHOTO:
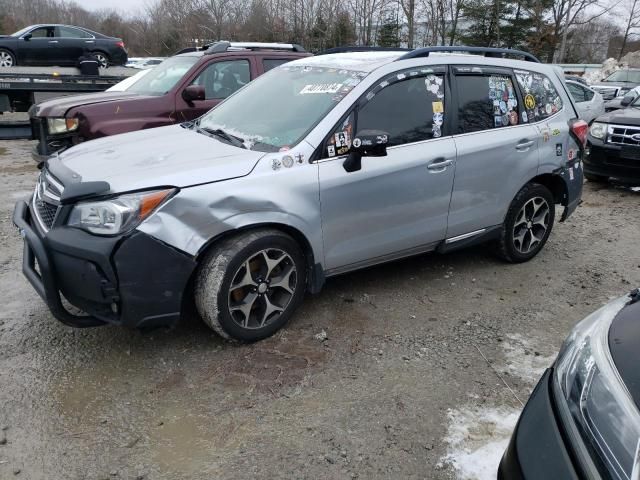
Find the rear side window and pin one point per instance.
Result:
(541, 99)
(269, 63)
(486, 102)
(410, 110)
(222, 79)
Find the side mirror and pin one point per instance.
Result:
(193, 92)
(366, 143)
(626, 100)
(27, 37)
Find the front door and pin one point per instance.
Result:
(36, 49)
(397, 204)
(219, 79)
(497, 148)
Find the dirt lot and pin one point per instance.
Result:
(400, 388)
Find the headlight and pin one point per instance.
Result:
(117, 215)
(598, 130)
(62, 125)
(596, 407)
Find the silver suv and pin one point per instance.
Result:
(320, 167)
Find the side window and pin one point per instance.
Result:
(339, 142)
(269, 63)
(221, 79)
(409, 109)
(576, 92)
(588, 94)
(42, 32)
(541, 99)
(68, 32)
(486, 102)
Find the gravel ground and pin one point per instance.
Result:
(391, 372)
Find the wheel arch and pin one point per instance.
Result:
(556, 185)
(315, 278)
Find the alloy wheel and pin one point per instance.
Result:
(262, 288)
(531, 225)
(102, 59)
(6, 60)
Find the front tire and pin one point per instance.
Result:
(249, 285)
(528, 224)
(7, 59)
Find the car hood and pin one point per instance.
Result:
(165, 156)
(58, 107)
(625, 116)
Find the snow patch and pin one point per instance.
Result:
(477, 438)
(522, 360)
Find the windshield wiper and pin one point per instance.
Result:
(218, 132)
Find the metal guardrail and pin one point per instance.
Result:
(15, 130)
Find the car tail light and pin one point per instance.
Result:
(120, 44)
(579, 129)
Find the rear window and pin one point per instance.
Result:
(541, 99)
(486, 102)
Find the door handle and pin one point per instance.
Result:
(53, 41)
(89, 41)
(524, 145)
(439, 164)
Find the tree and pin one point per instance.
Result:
(632, 16)
(389, 32)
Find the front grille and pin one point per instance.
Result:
(624, 135)
(46, 199)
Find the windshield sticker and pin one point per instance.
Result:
(321, 88)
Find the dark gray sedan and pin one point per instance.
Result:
(59, 45)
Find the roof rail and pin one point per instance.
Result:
(224, 46)
(486, 51)
(357, 48)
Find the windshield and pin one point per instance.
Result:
(277, 110)
(163, 77)
(624, 76)
(21, 32)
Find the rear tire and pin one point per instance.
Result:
(595, 178)
(249, 285)
(102, 57)
(7, 59)
(528, 224)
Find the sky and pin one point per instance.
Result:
(123, 6)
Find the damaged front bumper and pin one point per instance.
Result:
(132, 280)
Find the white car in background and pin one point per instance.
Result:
(589, 103)
(124, 85)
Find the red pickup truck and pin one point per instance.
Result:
(180, 89)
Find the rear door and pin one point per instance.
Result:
(220, 78)
(71, 43)
(497, 149)
(398, 204)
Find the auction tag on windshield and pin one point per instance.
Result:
(321, 88)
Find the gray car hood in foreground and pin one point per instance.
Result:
(165, 156)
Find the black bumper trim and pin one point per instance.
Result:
(44, 282)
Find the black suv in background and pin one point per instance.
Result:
(613, 147)
(59, 45)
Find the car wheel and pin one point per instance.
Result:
(102, 58)
(249, 285)
(7, 59)
(595, 178)
(527, 224)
